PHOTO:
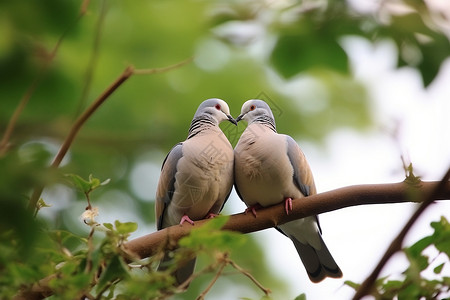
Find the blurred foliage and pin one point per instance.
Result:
(241, 50)
(95, 266)
(415, 285)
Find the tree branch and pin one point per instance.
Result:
(150, 244)
(77, 126)
(396, 244)
(127, 73)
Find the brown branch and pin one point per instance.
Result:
(163, 69)
(150, 244)
(77, 126)
(127, 73)
(202, 295)
(396, 244)
(87, 114)
(250, 276)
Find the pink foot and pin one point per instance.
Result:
(253, 209)
(185, 218)
(211, 215)
(288, 205)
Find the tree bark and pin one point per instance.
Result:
(149, 244)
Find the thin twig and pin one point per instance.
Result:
(84, 7)
(104, 289)
(90, 244)
(163, 69)
(244, 272)
(88, 113)
(77, 126)
(93, 58)
(396, 244)
(182, 287)
(213, 281)
(127, 73)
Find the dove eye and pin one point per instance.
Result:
(218, 106)
(252, 107)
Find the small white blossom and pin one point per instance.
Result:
(88, 216)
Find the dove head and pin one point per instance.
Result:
(216, 109)
(257, 111)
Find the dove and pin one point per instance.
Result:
(271, 168)
(196, 175)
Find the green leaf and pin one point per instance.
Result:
(115, 269)
(125, 228)
(414, 253)
(433, 45)
(93, 182)
(209, 236)
(108, 226)
(70, 285)
(393, 285)
(352, 284)
(441, 235)
(86, 186)
(301, 297)
(439, 268)
(410, 291)
(300, 52)
(82, 185)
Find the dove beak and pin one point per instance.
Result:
(231, 119)
(240, 117)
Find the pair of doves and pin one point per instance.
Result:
(265, 167)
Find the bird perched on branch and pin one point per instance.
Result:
(196, 175)
(271, 168)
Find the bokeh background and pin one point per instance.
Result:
(359, 86)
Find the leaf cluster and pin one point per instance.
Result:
(416, 282)
(309, 34)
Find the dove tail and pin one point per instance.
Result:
(319, 264)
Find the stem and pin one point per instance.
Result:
(213, 281)
(88, 267)
(163, 69)
(93, 58)
(241, 270)
(77, 126)
(127, 73)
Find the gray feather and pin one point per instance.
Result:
(168, 170)
(319, 264)
(296, 162)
